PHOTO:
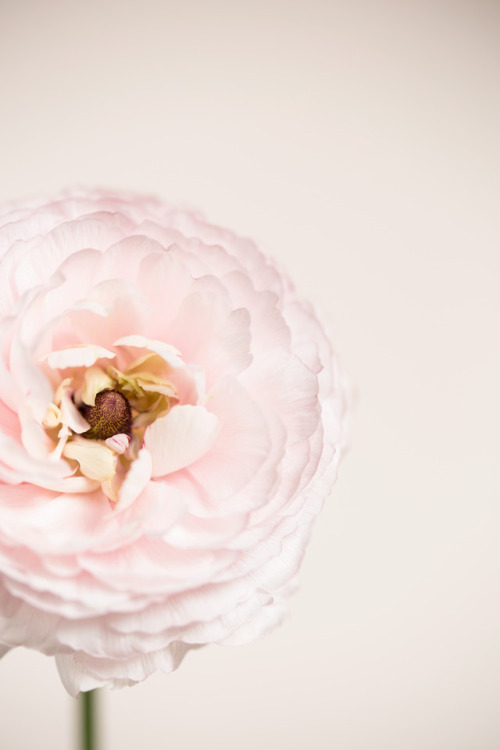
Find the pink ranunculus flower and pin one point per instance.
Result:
(171, 420)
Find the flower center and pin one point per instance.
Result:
(110, 416)
(99, 417)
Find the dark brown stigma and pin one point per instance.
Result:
(110, 416)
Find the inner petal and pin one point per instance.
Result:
(180, 438)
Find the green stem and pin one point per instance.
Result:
(87, 718)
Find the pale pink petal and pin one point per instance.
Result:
(37, 265)
(67, 485)
(17, 466)
(209, 333)
(242, 446)
(35, 386)
(80, 672)
(180, 438)
(39, 519)
(77, 356)
(117, 310)
(163, 276)
(160, 506)
(70, 414)
(170, 354)
(118, 443)
(96, 460)
(135, 480)
(95, 380)
(34, 437)
(287, 386)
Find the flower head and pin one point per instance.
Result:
(171, 420)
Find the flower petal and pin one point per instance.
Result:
(118, 443)
(95, 380)
(77, 356)
(96, 460)
(183, 436)
(169, 353)
(135, 480)
(70, 414)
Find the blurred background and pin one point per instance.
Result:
(358, 142)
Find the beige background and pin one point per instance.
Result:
(359, 142)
